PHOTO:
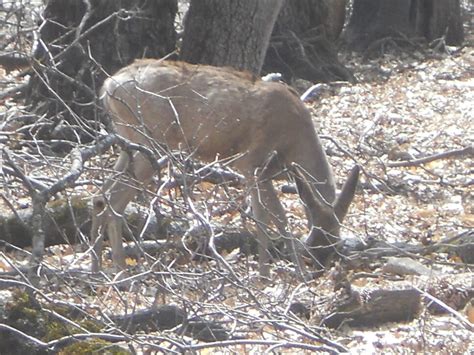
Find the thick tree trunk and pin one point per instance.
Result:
(301, 44)
(229, 32)
(435, 19)
(335, 19)
(75, 38)
(376, 19)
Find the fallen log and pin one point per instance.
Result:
(371, 308)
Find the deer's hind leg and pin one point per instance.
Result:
(108, 208)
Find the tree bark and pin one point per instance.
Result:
(435, 19)
(302, 41)
(229, 32)
(376, 19)
(335, 19)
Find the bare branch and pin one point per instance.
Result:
(469, 151)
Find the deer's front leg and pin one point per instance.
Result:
(267, 208)
(262, 220)
(100, 216)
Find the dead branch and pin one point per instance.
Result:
(28, 338)
(272, 345)
(14, 61)
(153, 319)
(375, 307)
(15, 91)
(39, 197)
(444, 155)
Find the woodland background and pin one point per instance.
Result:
(398, 105)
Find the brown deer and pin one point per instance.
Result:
(218, 113)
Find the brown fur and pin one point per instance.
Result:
(216, 113)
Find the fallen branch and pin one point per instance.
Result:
(444, 155)
(17, 90)
(41, 195)
(14, 61)
(374, 307)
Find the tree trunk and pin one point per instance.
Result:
(229, 32)
(376, 19)
(75, 38)
(435, 19)
(335, 19)
(301, 44)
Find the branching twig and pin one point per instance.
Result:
(40, 194)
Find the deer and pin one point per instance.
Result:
(263, 128)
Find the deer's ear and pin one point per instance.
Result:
(347, 194)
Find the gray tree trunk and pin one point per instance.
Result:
(232, 33)
(302, 43)
(376, 19)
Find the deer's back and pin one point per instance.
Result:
(204, 109)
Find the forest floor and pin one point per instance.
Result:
(421, 108)
(404, 107)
